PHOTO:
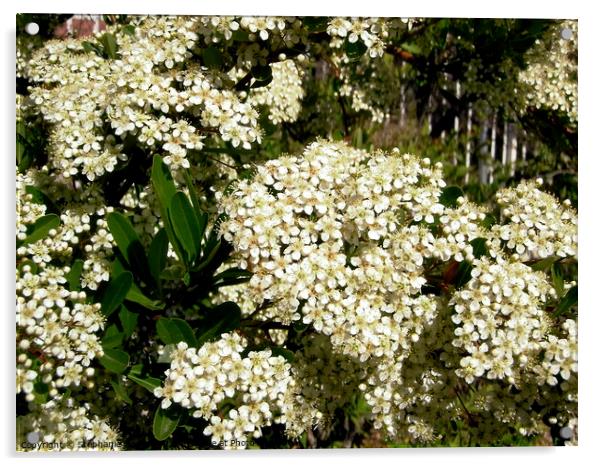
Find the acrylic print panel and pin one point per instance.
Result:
(295, 232)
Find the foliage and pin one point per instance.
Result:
(224, 242)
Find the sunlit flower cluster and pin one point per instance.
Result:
(64, 426)
(148, 92)
(372, 32)
(283, 95)
(500, 319)
(201, 379)
(551, 78)
(327, 236)
(535, 225)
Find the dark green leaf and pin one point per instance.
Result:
(165, 189)
(89, 47)
(40, 392)
(479, 247)
(112, 337)
(557, 279)
(136, 296)
(315, 23)
(174, 330)
(463, 275)
(202, 217)
(262, 75)
(165, 422)
(212, 57)
(136, 374)
(116, 292)
(186, 226)
(232, 276)
(221, 319)
(566, 303)
(121, 391)
(74, 275)
(545, 264)
(163, 183)
(450, 195)
(115, 360)
(355, 50)
(157, 254)
(211, 250)
(128, 243)
(128, 320)
(41, 227)
(129, 29)
(109, 45)
(286, 354)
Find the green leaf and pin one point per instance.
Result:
(165, 422)
(285, 353)
(128, 320)
(232, 276)
(165, 357)
(115, 360)
(165, 189)
(185, 225)
(557, 279)
(136, 374)
(157, 254)
(89, 47)
(212, 57)
(449, 196)
(121, 391)
(163, 183)
(116, 292)
(109, 45)
(355, 50)
(112, 337)
(129, 29)
(221, 319)
(463, 275)
(202, 217)
(315, 23)
(74, 275)
(41, 227)
(174, 330)
(479, 247)
(262, 75)
(209, 254)
(545, 264)
(566, 303)
(40, 392)
(128, 243)
(135, 295)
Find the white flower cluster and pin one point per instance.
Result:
(342, 239)
(551, 78)
(148, 92)
(202, 379)
(501, 323)
(329, 233)
(283, 95)
(560, 357)
(538, 226)
(373, 32)
(64, 426)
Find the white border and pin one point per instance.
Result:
(590, 269)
